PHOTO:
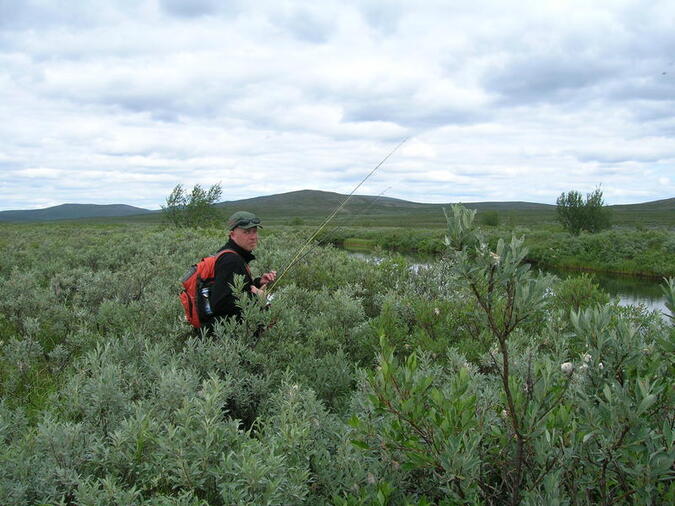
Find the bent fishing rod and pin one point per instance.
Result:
(332, 215)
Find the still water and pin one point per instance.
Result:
(631, 291)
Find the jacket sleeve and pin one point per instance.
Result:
(223, 301)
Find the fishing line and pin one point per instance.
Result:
(327, 220)
(339, 227)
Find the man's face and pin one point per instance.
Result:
(246, 238)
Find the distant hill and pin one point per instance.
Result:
(312, 206)
(655, 205)
(309, 202)
(72, 212)
(661, 212)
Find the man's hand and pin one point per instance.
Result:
(268, 277)
(260, 292)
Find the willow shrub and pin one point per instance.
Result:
(541, 422)
(579, 293)
(468, 380)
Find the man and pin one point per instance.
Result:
(243, 227)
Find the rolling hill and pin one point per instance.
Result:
(72, 212)
(312, 206)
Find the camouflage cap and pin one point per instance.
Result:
(243, 219)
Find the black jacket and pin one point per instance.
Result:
(223, 301)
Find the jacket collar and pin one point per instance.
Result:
(246, 255)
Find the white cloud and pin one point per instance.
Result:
(502, 100)
(39, 172)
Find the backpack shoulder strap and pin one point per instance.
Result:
(222, 252)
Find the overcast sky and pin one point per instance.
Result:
(106, 101)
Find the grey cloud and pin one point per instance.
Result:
(623, 58)
(426, 181)
(168, 104)
(12, 13)
(163, 108)
(382, 16)
(609, 171)
(667, 130)
(607, 156)
(653, 111)
(24, 14)
(475, 173)
(656, 87)
(165, 116)
(401, 111)
(8, 166)
(309, 26)
(528, 79)
(648, 28)
(27, 14)
(338, 174)
(642, 149)
(198, 8)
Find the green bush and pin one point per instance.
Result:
(578, 292)
(577, 215)
(489, 218)
(467, 380)
(193, 209)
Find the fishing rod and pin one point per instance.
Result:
(327, 220)
(340, 226)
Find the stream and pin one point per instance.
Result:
(630, 290)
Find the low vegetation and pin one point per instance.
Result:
(639, 252)
(646, 252)
(470, 380)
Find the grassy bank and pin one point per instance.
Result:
(648, 253)
(630, 251)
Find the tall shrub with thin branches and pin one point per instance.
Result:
(576, 214)
(192, 209)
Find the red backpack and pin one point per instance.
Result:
(197, 283)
